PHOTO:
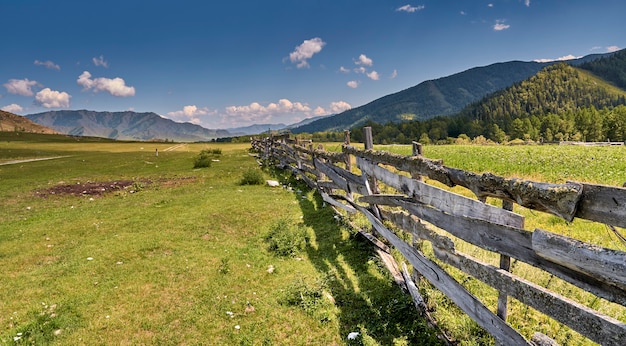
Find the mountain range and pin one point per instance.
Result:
(124, 126)
(446, 96)
(438, 97)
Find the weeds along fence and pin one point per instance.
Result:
(435, 215)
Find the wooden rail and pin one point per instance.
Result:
(419, 208)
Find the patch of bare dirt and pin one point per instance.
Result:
(99, 189)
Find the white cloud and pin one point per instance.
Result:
(373, 75)
(339, 106)
(394, 74)
(410, 9)
(257, 113)
(364, 61)
(563, 58)
(361, 69)
(344, 70)
(52, 99)
(116, 86)
(353, 84)
(305, 51)
(499, 26)
(12, 108)
(190, 114)
(48, 64)
(463, 13)
(99, 61)
(319, 111)
(527, 3)
(22, 87)
(612, 49)
(489, 5)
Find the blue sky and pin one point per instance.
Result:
(223, 64)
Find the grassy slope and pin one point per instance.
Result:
(181, 261)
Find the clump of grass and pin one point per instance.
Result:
(224, 266)
(252, 177)
(311, 297)
(285, 239)
(205, 157)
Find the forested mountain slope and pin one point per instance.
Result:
(443, 96)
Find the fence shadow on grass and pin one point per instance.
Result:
(368, 300)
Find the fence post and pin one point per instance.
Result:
(347, 157)
(417, 151)
(505, 264)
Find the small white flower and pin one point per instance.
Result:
(89, 258)
(237, 327)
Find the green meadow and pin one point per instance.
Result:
(180, 255)
(109, 243)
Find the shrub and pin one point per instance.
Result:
(285, 239)
(252, 177)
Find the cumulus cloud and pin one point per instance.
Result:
(48, 64)
(22, 87)
(255, 109)
(489, 5)
(190, 113)
(305, 51)
(563, 58)
(339, 106)
(116, 86)
(373, 75)
(99, 61)
(12, 108)
(499, 26)
(364, 60)
(353, 84)
(52, 99)
(410, 9)
(343, 70)
(612, 49)
(527, 3)
(394, 74)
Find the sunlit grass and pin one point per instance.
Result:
(182, 259)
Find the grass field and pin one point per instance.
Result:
(181, 255)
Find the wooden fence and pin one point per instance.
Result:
(428, 212)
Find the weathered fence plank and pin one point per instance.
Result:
(509, 241)
(605, 204)
(326, 197)
(500, 330)
(597, 327)
(558, 199)
(605, 264)
(441, 199)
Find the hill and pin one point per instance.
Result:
(556, 89)
(561, 102)
(10, 122)
(429, 99)
(124, 126)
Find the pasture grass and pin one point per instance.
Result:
(180, 256)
